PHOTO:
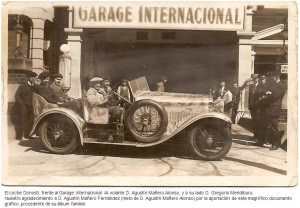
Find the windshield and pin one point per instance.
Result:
(139, 84)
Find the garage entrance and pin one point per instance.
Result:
(192, 61)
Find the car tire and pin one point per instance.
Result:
(149, 115)
(209, 140)
(59, 135)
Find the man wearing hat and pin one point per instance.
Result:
(253, 96)
(96, 97)
(272, 104)
(260, 124)
(96, 94)
(56, 87)
(44, 89)
(23, 109)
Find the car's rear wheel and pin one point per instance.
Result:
(59, 134)
(146, 120)
(209, 140)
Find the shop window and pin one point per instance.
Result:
(168, 35)
(142, 35)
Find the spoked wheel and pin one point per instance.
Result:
(146, 120)
(209, 141)
(59, 135)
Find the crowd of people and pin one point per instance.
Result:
(265, 97)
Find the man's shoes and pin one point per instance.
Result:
(278, 141)
(19, 138)
(274, 147)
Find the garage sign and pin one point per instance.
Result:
(158, 15)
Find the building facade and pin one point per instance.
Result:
(196, 45)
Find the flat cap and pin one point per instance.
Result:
(96, 79)
(57, 75)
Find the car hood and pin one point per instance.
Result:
(169, 97)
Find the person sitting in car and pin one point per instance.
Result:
(44, 90)
(58, 90)
(96, 95)
(96, 102)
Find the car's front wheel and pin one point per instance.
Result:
(209, 140)
(59, 134)
(146, 120)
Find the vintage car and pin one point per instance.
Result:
(149, 118)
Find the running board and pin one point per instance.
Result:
(243, 141)
(97, 141)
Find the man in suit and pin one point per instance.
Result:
(44, 89)
(61, 97)
(23, 110)
(271, 101)
(253, 96)
(261, 121)
(57, 89)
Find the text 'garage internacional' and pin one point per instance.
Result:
(158, 15)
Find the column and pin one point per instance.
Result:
(37, 45)
(246, 58)
(74, 42)
(246, 68)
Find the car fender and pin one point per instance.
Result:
(78, 121)
(188, 123)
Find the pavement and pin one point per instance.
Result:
(29, 164)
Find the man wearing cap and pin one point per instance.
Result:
(56, 87)
(23, 107)
(96, 95)
(44, 89)
(271, 101)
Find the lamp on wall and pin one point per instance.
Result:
(65, 61)
(19, 30)
(19, 61)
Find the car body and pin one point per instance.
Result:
(149, 118)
